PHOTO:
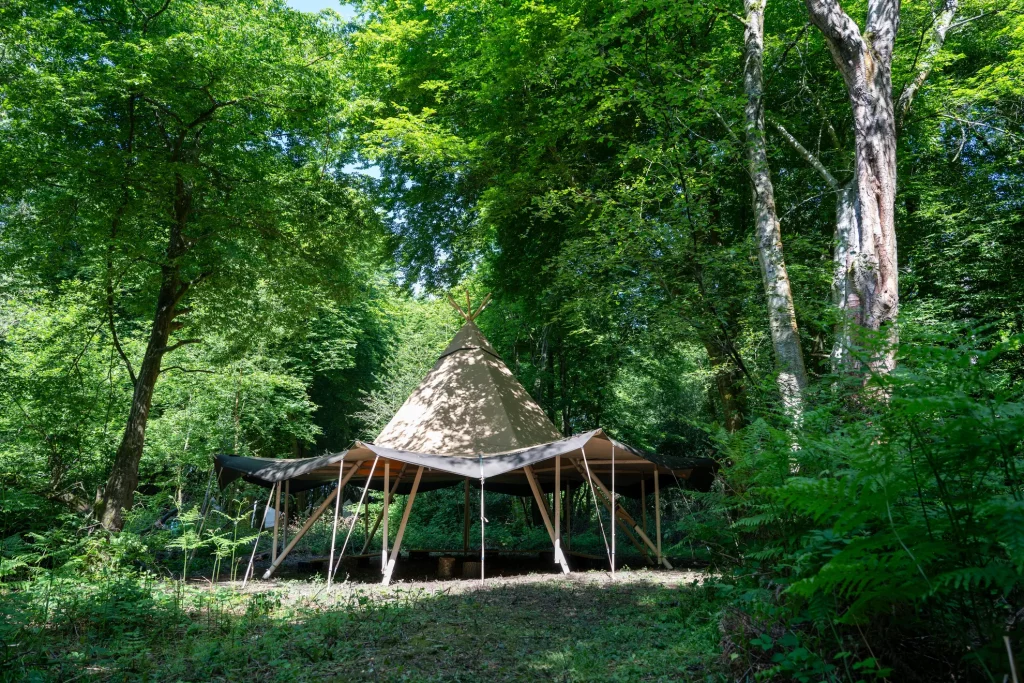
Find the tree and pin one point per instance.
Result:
(174, 156)
(867, 277)
(789, 358)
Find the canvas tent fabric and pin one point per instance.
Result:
(468, 419)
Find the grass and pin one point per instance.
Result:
(643, 626)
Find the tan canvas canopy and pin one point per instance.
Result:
(469, 420)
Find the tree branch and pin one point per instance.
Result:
(117, 342)
(181, 369)
(806, 154)
(178, 345)
(940, 27)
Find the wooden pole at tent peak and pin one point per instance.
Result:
(309, 522)
(464, 314)
(389, 570)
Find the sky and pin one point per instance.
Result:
(345, 10)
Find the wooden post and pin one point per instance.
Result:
(643, 503)
(381, 516)
(390, 568)
(465, 517)
(543, 505)
(384, 515)
(614, 506)
(252, 557)
(568, 515)
(277, 520)
(483, 528)
(309, 522)
(657, 512)
(558, 508)
(284, 525)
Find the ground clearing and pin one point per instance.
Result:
(640, 626)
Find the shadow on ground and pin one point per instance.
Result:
(583, 628)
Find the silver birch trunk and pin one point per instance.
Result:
(789, 360)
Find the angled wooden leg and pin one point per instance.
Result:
(309, 522)
(389, 570)
(620, 512)
(543, 505)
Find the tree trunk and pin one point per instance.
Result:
(870, 294)
(119, 492)
(789, 359)
(729, 384)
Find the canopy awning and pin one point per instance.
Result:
(500, 471)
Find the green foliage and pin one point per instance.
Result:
(904, 515)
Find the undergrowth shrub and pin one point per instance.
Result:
(887, 539)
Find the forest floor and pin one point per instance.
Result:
(637, 626)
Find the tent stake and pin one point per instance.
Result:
(401, 528)
(543, 505)
(309, 522)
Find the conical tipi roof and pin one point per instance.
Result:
(469, 404)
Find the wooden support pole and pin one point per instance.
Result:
(284, 524)
(390, 568)
(657, 512)
(612, 510)
(543, 505)
(256, 543)
(643, 503)
(558, 508)
(483, 529)
(309, 522)
(384, 513)
(568, 515)
(277, 520)
(338, 501)
(465, 517)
